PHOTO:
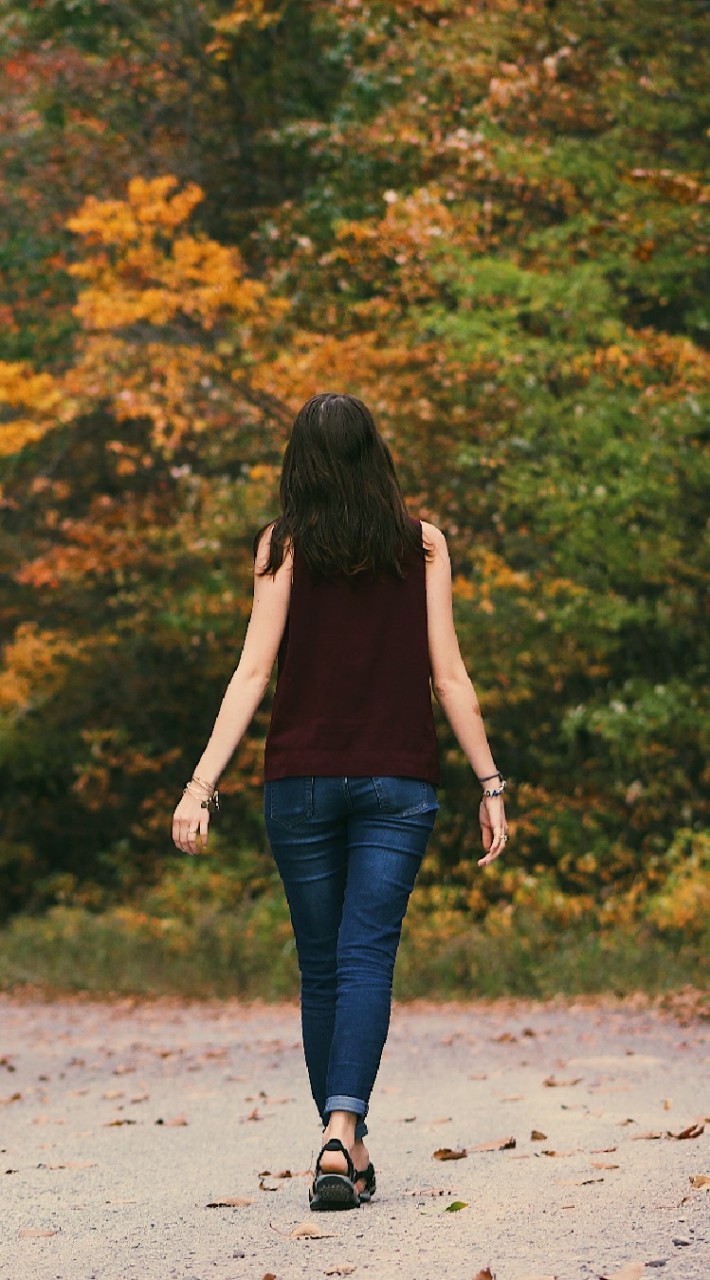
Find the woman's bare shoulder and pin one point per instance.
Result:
(433, 537)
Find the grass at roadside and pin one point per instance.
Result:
(248, 951)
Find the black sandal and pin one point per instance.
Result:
(334, 1190)
(368, 1177)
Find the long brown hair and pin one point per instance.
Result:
(341, 502)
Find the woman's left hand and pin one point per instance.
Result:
(494, 828)
(190, 820)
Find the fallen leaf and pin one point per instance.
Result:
(699, 1180)
(229, 1202)
(342, 1269)
(551, 1083)
(114, 1124)
(455, 1206)
(630, 1271)
(506, 1037)
(496, 1144)
(309, 1231)
(254, 1115)
(263, 1186)
(599, 1164)
(441, 1120)
(446, 1153)
(603, 1151)
(692, 1131)
(536, 1135)
(546, 1151)
(13, 1097)
(111, 1094)
(176, 1122)
(140, 1097)
(32, 1233)
(485, 1274)
(667, 1104)
(268, 1275)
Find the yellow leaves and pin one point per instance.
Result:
(32, 404)
(248, 13)
(118, 223)
(33, 667)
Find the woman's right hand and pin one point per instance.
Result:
(494, 828)
(189, 821)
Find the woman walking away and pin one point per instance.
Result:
(354, 597)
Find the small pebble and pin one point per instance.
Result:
(680, 1240)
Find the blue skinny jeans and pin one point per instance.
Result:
(348, 851)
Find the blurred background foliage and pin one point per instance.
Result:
(490, 221)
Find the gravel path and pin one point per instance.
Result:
(120, 1123)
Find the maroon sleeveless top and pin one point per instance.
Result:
(353, 695)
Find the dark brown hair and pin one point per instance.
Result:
(341, 502)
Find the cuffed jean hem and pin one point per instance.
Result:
(341, 1102)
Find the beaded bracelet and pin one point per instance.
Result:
(499, 791)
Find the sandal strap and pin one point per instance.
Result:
(334, 1144)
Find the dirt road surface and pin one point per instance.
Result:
(120, 1123)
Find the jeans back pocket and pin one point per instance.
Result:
(405, 796)
(289, 801)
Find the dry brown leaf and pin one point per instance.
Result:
(33, 1233)
(342, 1269)
(496, 1144)
(691, 1131)
(254, 1115)
(699, 1180)
(546, 1151)
(667, 1104)
(114, 1124)
(112, 1094)
(552, 1083)
(599, 1164)
(485, 1274)
(441, 1120)
(536, 1135)
(13, 1097)
(230, 1202)
(140, 1097)
(309, 1231)
(446, 1153)
(269, 1275)
(506, 1037)
(263, 1186)
(176, 1122)
(630, 1271)
(603, 1151)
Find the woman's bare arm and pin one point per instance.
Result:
(453, 688)
(244, 692)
